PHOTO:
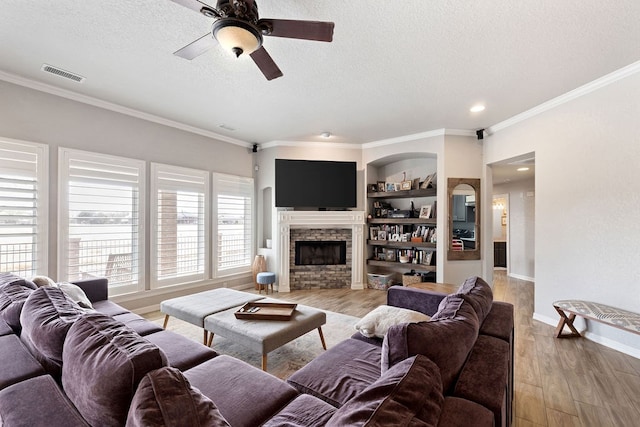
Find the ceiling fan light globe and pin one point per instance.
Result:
(237, 37)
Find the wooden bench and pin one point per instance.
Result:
(612, 316)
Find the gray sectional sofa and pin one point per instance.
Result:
(65, 365)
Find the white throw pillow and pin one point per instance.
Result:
(76, 294)
(378, 321)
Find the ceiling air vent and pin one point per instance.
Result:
(62, 73)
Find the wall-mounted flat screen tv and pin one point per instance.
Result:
(315, 184)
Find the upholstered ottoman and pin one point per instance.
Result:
(264, 336)
(194, 308)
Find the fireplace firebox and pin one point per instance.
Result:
(320, 252)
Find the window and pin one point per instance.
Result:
(23, 207)
(179, 221)
(102, 219)
(234, 210)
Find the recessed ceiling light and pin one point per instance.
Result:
(326, 134)
(522, 169)
(477, 108)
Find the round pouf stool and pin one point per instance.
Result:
(266, 278)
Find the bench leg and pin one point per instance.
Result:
(564, 320)
(206, 337)
(324, 346)
(210, 339)
(264, 362)
(166, 320)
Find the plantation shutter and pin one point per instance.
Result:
(102, 215)
(179, 225)
(23, 208)
(234, 203)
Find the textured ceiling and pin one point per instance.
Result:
(393, 69)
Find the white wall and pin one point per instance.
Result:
(587, 201)
(35, 116)
(521, 219)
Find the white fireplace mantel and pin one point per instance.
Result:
(354, 220)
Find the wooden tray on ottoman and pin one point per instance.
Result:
(266, 311)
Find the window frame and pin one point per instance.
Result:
(41, 176)
(249, 192)
(155, 187)
(65, 156)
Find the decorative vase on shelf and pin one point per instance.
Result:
(259, 265)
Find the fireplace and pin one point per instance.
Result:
(320, 252)
(317, 226)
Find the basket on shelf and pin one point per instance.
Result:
(411, 278)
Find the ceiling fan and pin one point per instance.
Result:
(237, 28)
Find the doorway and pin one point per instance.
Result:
(514, 206)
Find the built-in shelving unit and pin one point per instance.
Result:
(411, 237)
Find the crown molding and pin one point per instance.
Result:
(417, 136)
(599, 83)
(85, 99)
(309, 144)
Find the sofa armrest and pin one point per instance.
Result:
(97, 289)
(421, 300)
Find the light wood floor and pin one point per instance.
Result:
(559, 382)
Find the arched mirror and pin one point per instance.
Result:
(464, 219)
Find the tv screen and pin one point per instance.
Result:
(315, 184)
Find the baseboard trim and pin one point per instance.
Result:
(599, 339)
(521, 277)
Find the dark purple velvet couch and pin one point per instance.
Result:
(62, 365)
(469, 339)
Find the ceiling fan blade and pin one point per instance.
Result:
(193, 4)
(306, 30)
(266, 64)
(197, 47)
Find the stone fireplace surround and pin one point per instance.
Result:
(287, 220)
(322, 276)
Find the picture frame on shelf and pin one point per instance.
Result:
(390, 186)
(397, 186)
(390, 255)
(425, 212)
(405, 185)
(416, 183)
(381, 186)
(382, 235)
(372, 188)
(426, 260)
(428, 181)
(374, 233)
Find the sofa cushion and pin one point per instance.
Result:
(109, 308)
(485, 375)
(304, 411)
(181, 352)
(37, 401)
(244, 394)
(103, 363)
(339, 374)
(410, 393)
(377, 322)
(17, 362)
(46, 317)
(165, 398)
(5, 329)
(448, 307)
(6, 278)
(12, 298)
(447, 342)
(479, 295)
(458, 412)
(138, 323)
